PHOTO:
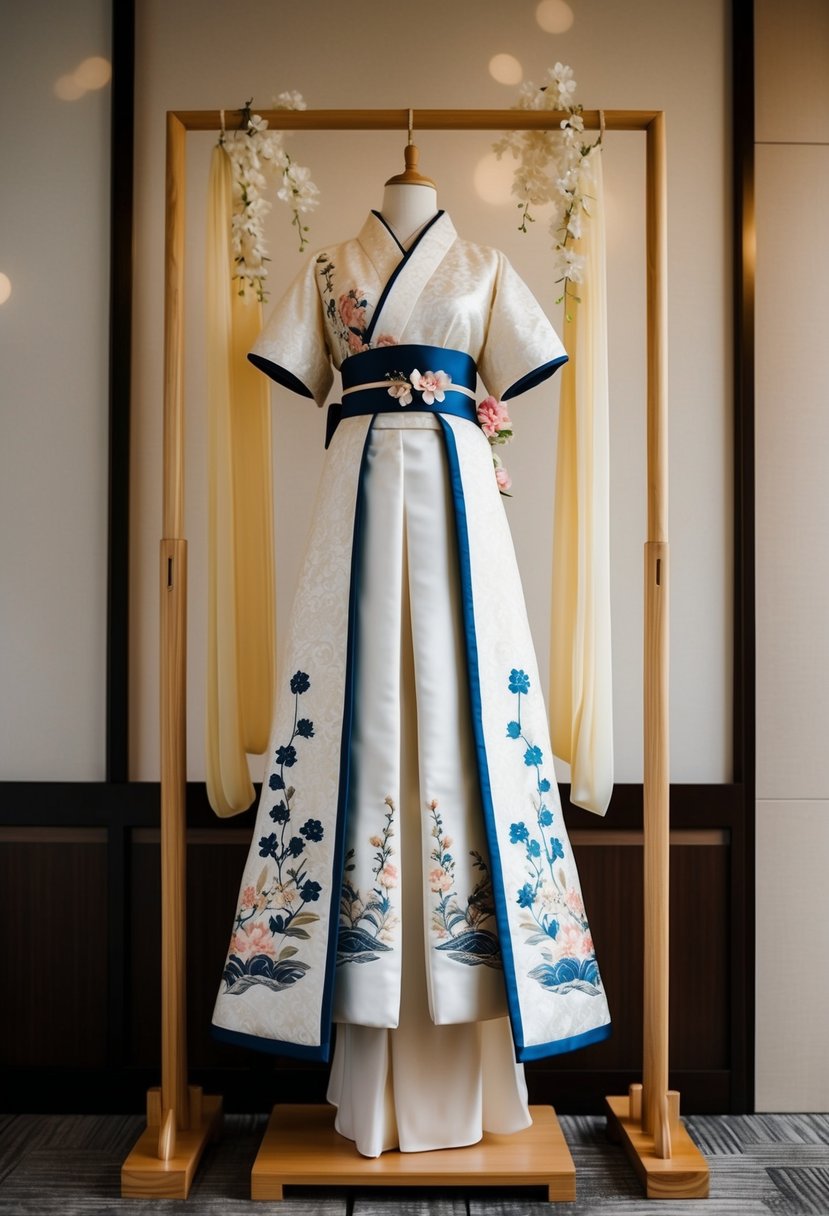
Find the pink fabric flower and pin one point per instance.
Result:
(574, 901)
(375, 841)
(503, 478)
(248, 897)
(493, 417)
(431, 384)
(402, 391)
(387, 340)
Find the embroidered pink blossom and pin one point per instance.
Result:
(387, 340)
(375, 842)
(388, 876)
(253, 939)
(431, 384)
(493, 417)
(439, 880)
(248, 897)
(356, 343)
(402, 391)
(503, 478)
(570, 941)
(351, 310)
(574, 901)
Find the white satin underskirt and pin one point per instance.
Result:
(419, 1086)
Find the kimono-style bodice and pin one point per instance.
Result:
(446, 292)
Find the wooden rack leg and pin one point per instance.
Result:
(647, 1121)
(180, 1121)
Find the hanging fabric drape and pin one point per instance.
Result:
(580, 659)
(241, 595)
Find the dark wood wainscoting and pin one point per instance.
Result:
(80, 927)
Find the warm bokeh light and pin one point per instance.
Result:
(505, 69)
(68, 89)
(554, 16)
(5, 287)
(93, 73)
(493, 179)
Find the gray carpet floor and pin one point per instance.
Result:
(71, 1164)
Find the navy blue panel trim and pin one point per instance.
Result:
(536, 376)
(404, 261)
(345, 758)
(281, 375)
(575, 1041)
(273, 1047)
(370, 365)
(473, 676)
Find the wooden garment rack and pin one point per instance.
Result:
(179, 1119)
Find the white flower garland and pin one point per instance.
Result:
(554, 167)
(258, 155)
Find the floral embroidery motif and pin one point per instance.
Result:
(460, 929)
(368, 920)
(259, 953)
(555, 918)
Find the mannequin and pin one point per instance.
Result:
(410, 200)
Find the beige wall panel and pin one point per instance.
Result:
(54, 199)
(643, 55)
(792, 71)
(792, 1047)
(792, 440)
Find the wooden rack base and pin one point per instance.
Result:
(683, 1175)
(146, 1174)
(301, 1148)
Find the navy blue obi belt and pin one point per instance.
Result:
(389, 379)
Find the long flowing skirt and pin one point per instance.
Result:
(446, 1072)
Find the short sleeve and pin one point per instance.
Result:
(521, 347)
(291, 348)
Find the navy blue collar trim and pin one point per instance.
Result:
(407, 253)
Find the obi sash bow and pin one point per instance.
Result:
(368, 377)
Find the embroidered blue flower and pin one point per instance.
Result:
(305, 728)
(526, 896)
(312, 830)
(543, 785)
(545, 818)
(286, 755)
(519, 681)
(533, 755)
(552, 929)
(295, 846)
(280, 813)
(556, 847)
(534, 848)
(518, 832)
(300, 682)
(311, 891)
(276, 782)
(513, 730)
(267, 846)
(276, 924)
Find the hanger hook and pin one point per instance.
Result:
(411, 124)
(601, 124)
(222, 124)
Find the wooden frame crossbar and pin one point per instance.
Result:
(179, 1120)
